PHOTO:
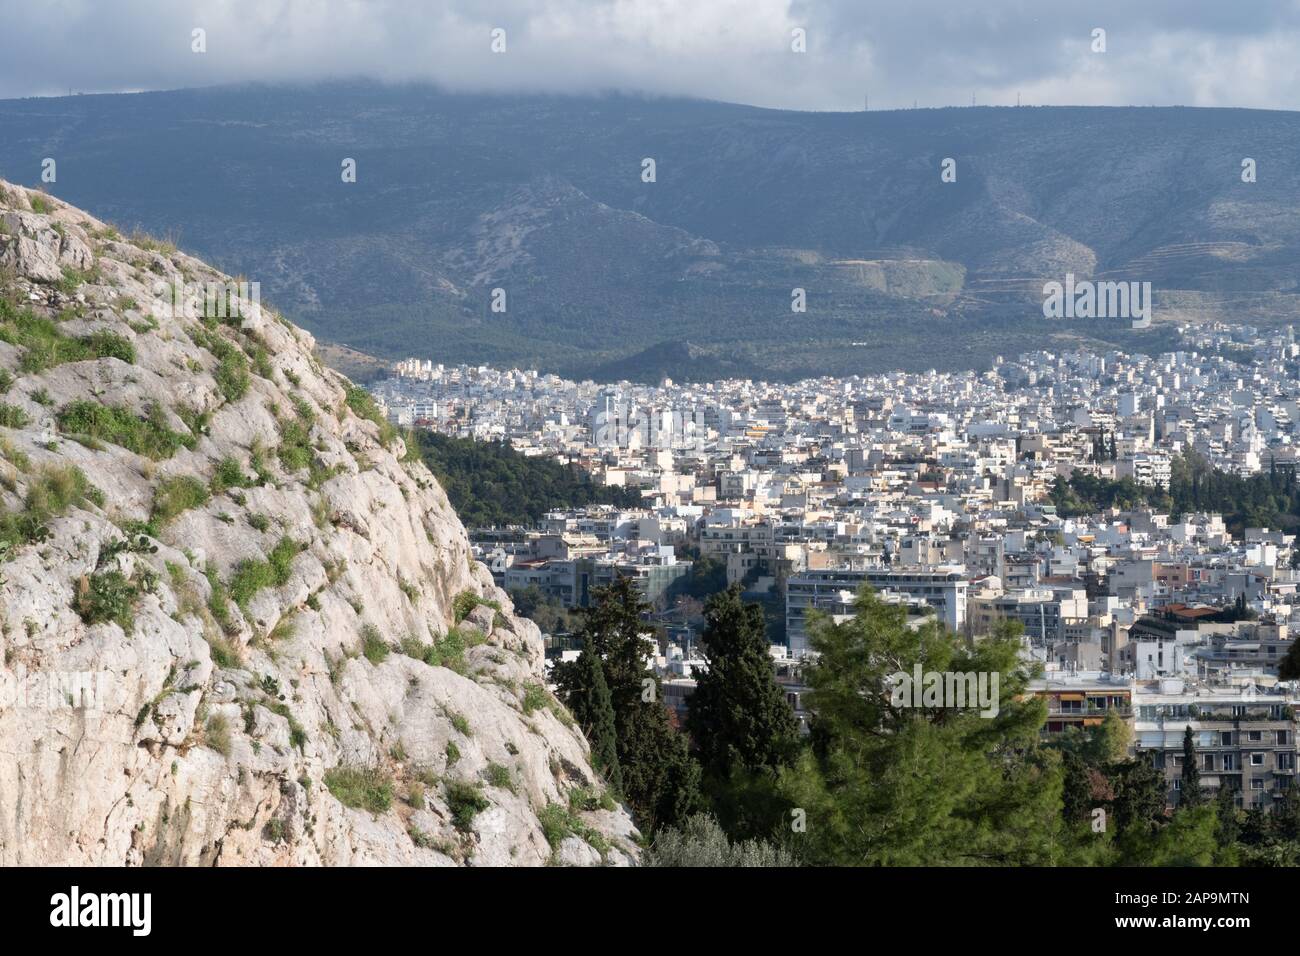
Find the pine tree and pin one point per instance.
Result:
(884, 784)
(1189, 839)
(1190, 795)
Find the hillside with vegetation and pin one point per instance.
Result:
(491, 485)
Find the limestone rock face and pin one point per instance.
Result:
(238, 626)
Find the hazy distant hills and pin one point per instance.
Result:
(690, 275)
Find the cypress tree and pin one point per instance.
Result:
(738, 715)
(1139, 803)
(1076, 792)
(1289, 667)
(742, 726)
(1225, 806)
(1190, 795)
(660, 778)
(593, 708)
(1285, 818)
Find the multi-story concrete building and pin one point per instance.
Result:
(943, 589)
(1082, 700)
(1045, 613)
(1244, 738)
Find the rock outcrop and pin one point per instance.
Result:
(238, 626)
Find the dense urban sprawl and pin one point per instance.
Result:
(971, 496)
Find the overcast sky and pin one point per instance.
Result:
(931, 52)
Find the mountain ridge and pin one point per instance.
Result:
(458, 195)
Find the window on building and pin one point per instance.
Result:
(1257, 760)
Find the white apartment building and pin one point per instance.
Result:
(943, 589)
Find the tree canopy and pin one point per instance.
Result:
(491, 485)
(660, 779)
(883, 784)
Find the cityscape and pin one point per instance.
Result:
(943, 493)
(623, 440)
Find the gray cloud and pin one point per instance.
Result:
(931, 52)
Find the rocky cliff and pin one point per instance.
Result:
(239, 627)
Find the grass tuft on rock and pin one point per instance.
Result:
(362, 405)
(373, 646)
(148, 436)
(174, 496)
(362, 788)
(45, 345)
(253, 575)
(52, 490)
(466, 801)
